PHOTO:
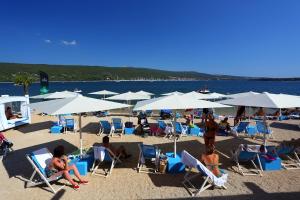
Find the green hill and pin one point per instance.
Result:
(94, 73)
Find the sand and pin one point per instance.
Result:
(125, 182)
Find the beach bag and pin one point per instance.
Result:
(128, 124)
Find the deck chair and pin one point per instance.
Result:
(240, 127)
(70, 125)
(247, 154)
(104, 155)
(262, 128)
(117, 125)
(105, 127)
(148, 153)
(210, 180)
(5, 146)
(39, 159)
(167, 128)
(180, 129)
(288, 155)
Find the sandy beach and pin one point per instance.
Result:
(125, 182)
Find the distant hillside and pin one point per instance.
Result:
(94, 73)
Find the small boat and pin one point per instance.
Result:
(77, 90)
(204, 90)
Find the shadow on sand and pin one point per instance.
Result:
(285, 126)
(35, 127)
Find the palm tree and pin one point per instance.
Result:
(25, 79)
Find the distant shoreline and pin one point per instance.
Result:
(187, 80)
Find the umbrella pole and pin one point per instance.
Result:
(175, 138)
(80, 134)
(266, 128)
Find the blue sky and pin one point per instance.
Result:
(238, 37)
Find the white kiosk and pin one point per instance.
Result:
(19, 108)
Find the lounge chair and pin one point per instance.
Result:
(148, 153)
(180, 129)
(263, 128)
(240, 127)
(104, 155)
(117, 125)
(288, 155)
(39, 159)
(105, 127)
(247, 154)
(166, 128)
(210, 180)
(70, 125)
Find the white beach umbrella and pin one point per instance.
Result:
(142, 92)
(56, 95)
(104, 92)
(78, 104)
(128, 96)
(175, 102)
(172, 93)
(243, 94)
(197, 95)
(265, 100)
(216, 95)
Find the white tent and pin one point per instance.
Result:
(175, 102)
(197, 95)
(238, 95)
(172, 93)
(142, 92)
(56, 95)
(78, 104)
(128, 96)
(104, 92)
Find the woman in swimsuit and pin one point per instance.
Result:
(59, 164)
(211, 128)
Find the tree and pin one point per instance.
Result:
(25, 79)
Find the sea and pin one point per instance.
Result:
(160, 87)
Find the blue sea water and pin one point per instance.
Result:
(159, 87)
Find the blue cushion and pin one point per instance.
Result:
(37, 164)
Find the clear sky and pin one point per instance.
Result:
(238, 37)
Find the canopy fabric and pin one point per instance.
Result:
(142, 92)
(128, 96)
(243, 94)
(197, 95)
(78, 104)
(216, 95)
(172, 93)
(56, 95)
(265, 100)
(175, 102)
(104, 92)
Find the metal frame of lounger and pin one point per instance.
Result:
(207, 183)
(141, 166)
(250, 172)
(43, 180)
(114, 160)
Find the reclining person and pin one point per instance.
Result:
(9, 114)
(211, 161)
(59, 163)
(121, 151)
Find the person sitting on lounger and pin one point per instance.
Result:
(211, 160)
(59, 163)
(224, 125)
(121, 151)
